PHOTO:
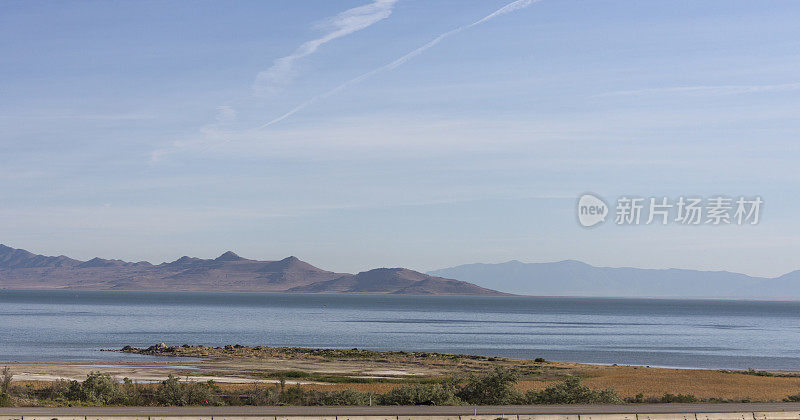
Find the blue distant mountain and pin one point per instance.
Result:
(575, 278)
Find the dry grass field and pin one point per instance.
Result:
(703, 384)
(630, 381)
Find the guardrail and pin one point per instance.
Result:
(774, 415)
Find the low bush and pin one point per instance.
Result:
(172, 392)
(97, 389)
(296, 395)
(422, 394)
(666, 398)
(680, 398)
(260, 396)
(792, 398)
(572, 391)
(5, 400)
(5, 380)
(346, 397)
(5, 387)
(496, 388)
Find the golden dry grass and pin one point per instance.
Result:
(703, 384)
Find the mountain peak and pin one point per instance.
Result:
(395, 281)
(394, 272)
(183, 261)
(19, 258)
(228, 256)
(98, 262)
(291, 263)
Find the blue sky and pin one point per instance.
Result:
(142, 130)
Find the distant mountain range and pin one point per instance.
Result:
(575, 278)
(20, 269)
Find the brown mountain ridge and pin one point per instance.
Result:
(21, 269)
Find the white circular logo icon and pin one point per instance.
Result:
(591, 210)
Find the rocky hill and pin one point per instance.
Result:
(20, 269)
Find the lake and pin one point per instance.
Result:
(75, 325)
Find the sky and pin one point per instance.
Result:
(382, 133)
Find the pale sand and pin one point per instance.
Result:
(48, 371)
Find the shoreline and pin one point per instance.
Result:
(234, 367)
(502, 295)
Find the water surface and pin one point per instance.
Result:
(74, 325)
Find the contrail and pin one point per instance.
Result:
(511, 7)
(345, 23)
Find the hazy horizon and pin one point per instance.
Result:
(431, 271)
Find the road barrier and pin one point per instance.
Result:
(772, 415)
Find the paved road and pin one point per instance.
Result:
(399, 410)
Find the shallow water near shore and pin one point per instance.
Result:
(74, 325)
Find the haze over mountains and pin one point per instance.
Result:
(575, 278)
(20, 269)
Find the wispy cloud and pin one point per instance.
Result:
(345, 23)
(511, 7)
(706, 89)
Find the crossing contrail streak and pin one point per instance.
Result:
(511, 7)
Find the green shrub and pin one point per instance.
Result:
(572, 391)
(680, 398)
(496, 388)
(54, 391)
(135, 395)
(5, 400)
(295, 395)
(260, 396)
(97, 389)
(5, 380)
(422, 394)
(792, 398)
(345, 397)
(172, 392)
(639, 398)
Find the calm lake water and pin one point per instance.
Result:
(73, 326)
